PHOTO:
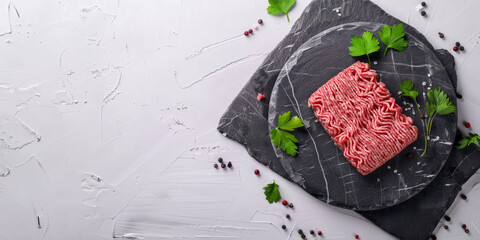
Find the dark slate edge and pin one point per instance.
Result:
(449, 62)
(417, 217)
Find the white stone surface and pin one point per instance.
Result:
(108, 111)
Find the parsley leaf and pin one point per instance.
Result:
(393, 37)
(407, 91)
(280, 6)
(271, 192)
(289, 123)
(439, 103)
(364, 45)
(466, 141)
(287, 140)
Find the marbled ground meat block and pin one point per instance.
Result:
(362, 118)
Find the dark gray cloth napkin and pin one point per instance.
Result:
(245, 120)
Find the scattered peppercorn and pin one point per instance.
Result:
(223, 165)
(250, 30)
(461, 48)
(215, 165)
(423, 13)
(284, 202)
(303, 236)
(220, 160)
(467, 231)
(464, 226)
(291, 205)
(357, 237)
(284, 227)
(424, 4)
(245, 33)
(441, 35)
(447, 218)
(446, 227)
(300, 231)
(455, 49)
(312, 232)
(229, 164)
(260, 21)
(288, 216)
(457, 44)
(433, 237)
(319, 233)
(467, 125)
(257, 172)
(410, 155)
(459, 96)
(463, 196)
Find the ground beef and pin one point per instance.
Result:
(362, 118)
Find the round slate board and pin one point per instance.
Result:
(320, 167)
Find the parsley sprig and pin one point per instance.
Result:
(466, 141)
(407, 91)
(440, 104)
(280, 6)
(364, 45)
(272, 193)
(393, 37)
(287, 140)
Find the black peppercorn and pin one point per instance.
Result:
(467, 231)
(463, 196)
(447, 218)
(441, 35)
(220, 160)
(303, 236)
(300, 231)
(291, 205)
(284, 227)
(424, 4)
(229, 164)
(461, 48)
(446, 227)
(423, 13)
(312, 232)
(457, 44)
(459, 96)
(433, 237)
(288, 216)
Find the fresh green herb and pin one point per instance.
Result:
(271, 192)
(288, 141)
(407, 91)
(364, 45)
(393, 37)
(280, 6)
(466, 141)
(439, 103)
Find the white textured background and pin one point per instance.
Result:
(108, 112)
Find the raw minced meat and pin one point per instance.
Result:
(362, 118)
